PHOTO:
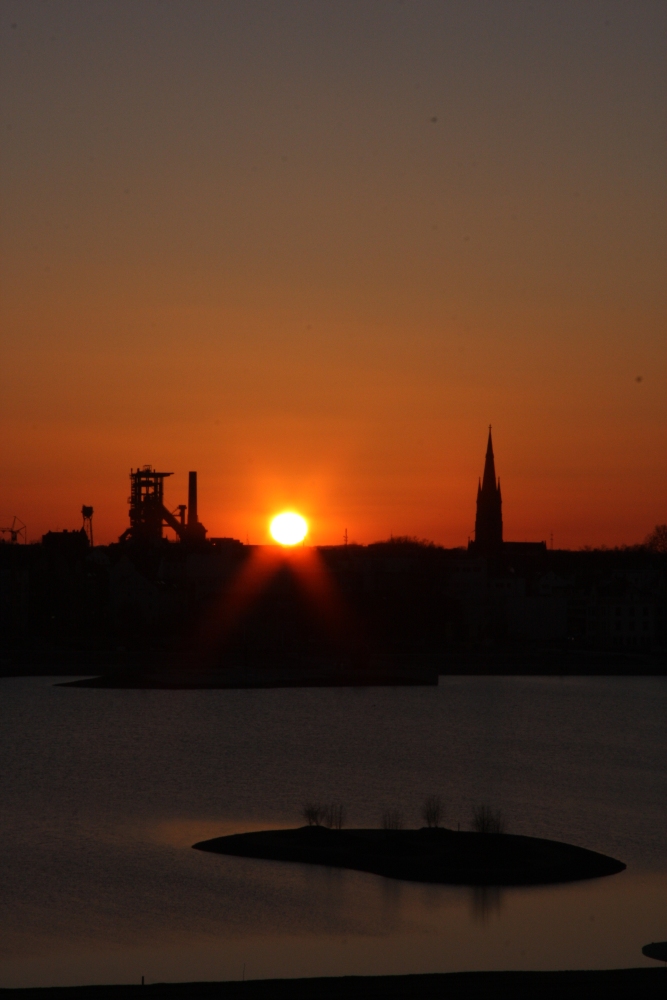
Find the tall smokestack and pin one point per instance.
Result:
(192, 499)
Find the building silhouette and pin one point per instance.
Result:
(489, 519)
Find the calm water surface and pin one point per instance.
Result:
(102, 794)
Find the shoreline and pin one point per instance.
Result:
(595, 984)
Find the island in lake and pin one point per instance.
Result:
(430, 854)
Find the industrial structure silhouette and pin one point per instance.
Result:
(148, 514)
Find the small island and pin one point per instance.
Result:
(435, 855)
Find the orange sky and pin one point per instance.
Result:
(235, 240)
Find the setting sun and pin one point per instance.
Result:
(289, 528)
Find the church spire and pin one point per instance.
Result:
(489, 520)
(489, 480)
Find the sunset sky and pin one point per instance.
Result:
(312, 248)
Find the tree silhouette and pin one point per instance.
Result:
(657, 540)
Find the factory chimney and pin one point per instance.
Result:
(192, 500)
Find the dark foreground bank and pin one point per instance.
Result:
(178, 670)
(612, 984)
(428, 855)
(321, 674)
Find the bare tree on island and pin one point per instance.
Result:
(392, 819)
(433, 812)
(312, 813)
(334, 815)
(331, 815)
(487, 820)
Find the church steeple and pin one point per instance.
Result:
(489, 520)
(489, 481)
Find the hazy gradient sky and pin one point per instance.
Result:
(312, 248)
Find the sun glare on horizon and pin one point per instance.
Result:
(288, 528)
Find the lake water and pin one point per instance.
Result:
(102, 794)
